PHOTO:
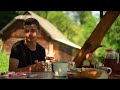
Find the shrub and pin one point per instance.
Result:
(4, 62)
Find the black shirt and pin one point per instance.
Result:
(25, 56)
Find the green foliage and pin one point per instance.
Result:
(84, 16)
(43, 14)
(68, 27)
(111, 40)
(88, 21)
(63, 22)
(114, 32)
(4, 62)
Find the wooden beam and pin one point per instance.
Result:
(101, 14)
(94, 41)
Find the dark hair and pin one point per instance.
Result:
(30, 21)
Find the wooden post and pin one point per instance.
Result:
(94, 41)
(101, 14)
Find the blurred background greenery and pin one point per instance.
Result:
(75, 25)
(4, 62)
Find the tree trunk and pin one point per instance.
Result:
(94, 41)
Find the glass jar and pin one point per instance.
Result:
(111, 59)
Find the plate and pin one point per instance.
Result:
(88, 73)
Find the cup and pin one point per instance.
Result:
(107, 69)
(60, 68)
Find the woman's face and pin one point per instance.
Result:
(31, 32)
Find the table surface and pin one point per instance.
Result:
(36, 75)
(114, 76)
(49, 75)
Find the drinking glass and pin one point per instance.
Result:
(71, 66)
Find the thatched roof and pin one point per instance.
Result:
(50, 29)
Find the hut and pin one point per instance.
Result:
(54, 42)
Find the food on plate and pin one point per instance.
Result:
(89, 73)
